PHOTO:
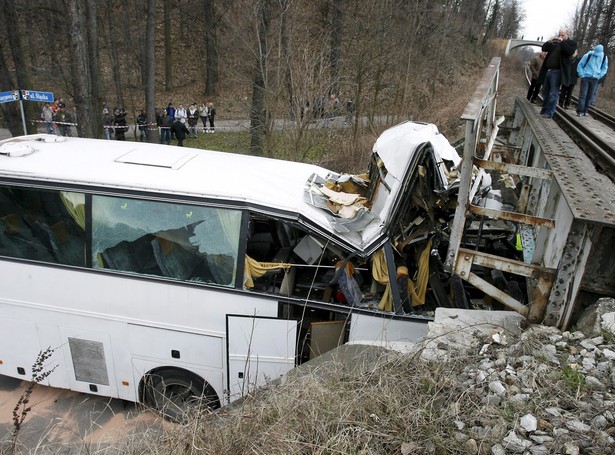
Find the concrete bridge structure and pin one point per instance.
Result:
(515, 43)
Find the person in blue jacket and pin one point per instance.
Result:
(591, 68)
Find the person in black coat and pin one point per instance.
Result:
(566, 90)
(180, 131)
(555, 70)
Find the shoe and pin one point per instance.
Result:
(533, 101)
(546, 116)
(584, 114)
(578, 114)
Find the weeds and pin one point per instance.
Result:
(23, 407)
(573, 377)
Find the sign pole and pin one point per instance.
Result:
(23, 117)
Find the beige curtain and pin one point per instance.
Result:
(416, 290)
(75, 204)
(255, 269)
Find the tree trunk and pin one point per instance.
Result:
(94, 98)
(80, 66)
(22, 73)
(168, 47)
(258, 114)
(150, 71)
(211, 49)
(115, 60)
(10, 111)
(336, 44)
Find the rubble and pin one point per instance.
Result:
(514, 368)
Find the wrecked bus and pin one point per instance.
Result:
(159, 274)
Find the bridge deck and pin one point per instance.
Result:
(590, 195)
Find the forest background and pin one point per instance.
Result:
(266, 60)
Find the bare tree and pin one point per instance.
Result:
(168, 46)
(22, 73)
(150, 71)
(211, 48)
(258, 113)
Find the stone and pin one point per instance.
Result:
(470, 446)
(600, 422)
(608, 322)
(529, 423)
(497, 387)
(577, 425)
(539, 450)
(514, 444)
(497, 449)
(570, 448)
(594, 383)
(609, 354)
(590, 321)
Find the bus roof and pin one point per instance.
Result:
(262, 183)
(226, 177)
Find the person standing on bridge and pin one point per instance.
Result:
(592, 67)
(555, 70)
(534, 66)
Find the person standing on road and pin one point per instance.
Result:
(165, 128)
(203, 115)
(142, 122)
(592, 67)
(211, 115)
(555, 70)
(193, 120)
(107, 124)
(120, 125)
(181, 114)
(534, 66)
(47, 116)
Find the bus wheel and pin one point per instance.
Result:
(176, 392)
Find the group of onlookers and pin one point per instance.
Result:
(180, 122)
(557, 69)
(172, 123)
(56, 118)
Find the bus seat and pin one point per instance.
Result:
(260, 246)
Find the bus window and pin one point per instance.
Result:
(178, 241)
(42, 225)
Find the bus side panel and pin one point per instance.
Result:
(19, 348)
(385, 331)
(169, 347)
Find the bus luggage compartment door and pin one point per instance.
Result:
(259, 350)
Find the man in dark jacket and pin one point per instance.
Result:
(180, 131)
(555, 70)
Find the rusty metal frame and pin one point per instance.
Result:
(544, 276)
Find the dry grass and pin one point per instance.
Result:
(367, 401)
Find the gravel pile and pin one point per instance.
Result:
(556, 388)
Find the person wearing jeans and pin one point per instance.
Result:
(555, 70)
(591, 68)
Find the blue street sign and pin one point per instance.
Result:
(31, 95)
(6, 97)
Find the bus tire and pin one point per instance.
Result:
(174, 392)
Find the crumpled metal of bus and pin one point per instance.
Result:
(392, 146)
(316, 195)
(395, 148)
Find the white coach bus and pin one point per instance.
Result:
(159, 274)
